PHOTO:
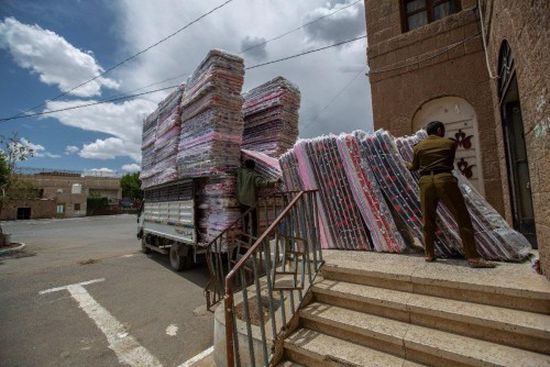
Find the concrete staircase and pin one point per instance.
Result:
(394, 310)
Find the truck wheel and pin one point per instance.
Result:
(177, 262)
(144, 249)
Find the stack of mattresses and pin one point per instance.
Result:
(218, 196)
(267, 166)
(271, 117)
(369, 200)
(352, 210)
(148, 173)
(495, 239)
(212, 124)
(167, 136)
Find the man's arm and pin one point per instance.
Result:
(262, 182)
(415, 164)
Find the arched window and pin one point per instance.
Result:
(506, 68)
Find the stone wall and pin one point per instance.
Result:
(525, 25)
(60, 187)
(443, 58)
(40, 208)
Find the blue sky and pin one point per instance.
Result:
(48, 46)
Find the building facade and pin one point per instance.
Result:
(481, 67)
(69, 191)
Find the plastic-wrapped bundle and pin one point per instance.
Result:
(320, 166)
(212, 125)
(369, 198)
(271, 117)
(495, 240)
(268, 167)
(217, 206)
(148, 157)
(402, 190)
(160, 141)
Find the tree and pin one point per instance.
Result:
(131, 186)
(13, 150)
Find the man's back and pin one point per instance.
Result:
(434, 154)
(247, 181)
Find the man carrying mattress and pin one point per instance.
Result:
(434, 158)
(248, 180)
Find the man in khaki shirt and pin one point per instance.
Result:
(434, 158)
(248, 181)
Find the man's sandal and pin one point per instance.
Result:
(429, 259)
(480, 263)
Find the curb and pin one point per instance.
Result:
(13, 249)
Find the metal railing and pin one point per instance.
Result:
(224, 251)
(265, 288)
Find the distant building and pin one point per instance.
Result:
(428, 62)
(62, 195)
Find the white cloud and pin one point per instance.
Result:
(319, 76)
(131, 167)
(123, 121)
(37, 149)
(102, 172)
(55, 60)
(71, 149)
(109, 148)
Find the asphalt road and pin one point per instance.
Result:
(135, 312)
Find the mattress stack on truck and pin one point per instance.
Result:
(148, 172)
(271, 117)
(212, 124)
(210, 139)
(167, 136)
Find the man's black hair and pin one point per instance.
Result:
(433, 126)
(249, 163)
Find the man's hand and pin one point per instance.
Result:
(409, 166)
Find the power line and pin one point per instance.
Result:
(443, 50)
(121, 98)
(108, 70)
(306, 52)
(278, 37)
(149, 85)
(333, 99)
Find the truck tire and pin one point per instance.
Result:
(177, 262)
(144, 249)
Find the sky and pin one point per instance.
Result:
(50, 46)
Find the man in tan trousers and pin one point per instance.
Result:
(434, 158)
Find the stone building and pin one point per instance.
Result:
(68, 190)
(482, 67)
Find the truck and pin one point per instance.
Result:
(167, 223)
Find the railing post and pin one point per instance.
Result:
(229, 327)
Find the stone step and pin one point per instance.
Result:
(415, 343)
(522, 329)
(310, 348)
(289, 364)
(448, 279)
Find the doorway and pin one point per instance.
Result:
(516, 152)
(23, 213)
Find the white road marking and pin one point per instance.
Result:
(129, 255)
(172, 330)
(197, 358)
(57, 289)
(126, 347)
